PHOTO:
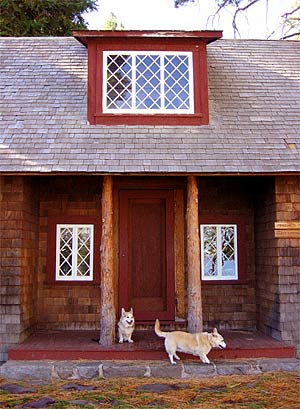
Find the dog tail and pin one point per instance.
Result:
(157, 329)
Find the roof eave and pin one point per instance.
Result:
(83, 36)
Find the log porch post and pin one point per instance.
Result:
(195, 322)
(107, 306)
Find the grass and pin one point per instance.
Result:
(278, 390)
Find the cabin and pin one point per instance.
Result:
(158, 170)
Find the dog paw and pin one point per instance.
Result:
(130, 340)
(121, 341)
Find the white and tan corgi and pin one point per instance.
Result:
(126, 326)
(198, 344)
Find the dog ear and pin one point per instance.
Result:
(131, 310)
(215, 331)
(122, 311)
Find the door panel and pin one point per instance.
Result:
(146, 276)
(147, 287)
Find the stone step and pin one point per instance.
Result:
(71, 370)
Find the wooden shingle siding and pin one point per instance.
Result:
(67, 305)
(230, 306)
(278, 260)
(18, 259)
(287, 194)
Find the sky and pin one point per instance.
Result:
(258, 23)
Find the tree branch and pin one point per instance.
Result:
(223, 4)
(290, 35)
(290, 13)
(239, 10)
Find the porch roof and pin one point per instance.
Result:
(254, 105)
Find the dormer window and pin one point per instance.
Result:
(148, 82)
(147, 77)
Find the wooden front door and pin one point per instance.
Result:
(146, 267)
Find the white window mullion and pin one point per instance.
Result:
(236, 249)
(74, 251)
(105, 80)
(92, 253)
(57, 255)
(162, 82)
(191, 84)
(133, 91)
(219, 251)
(202, 250)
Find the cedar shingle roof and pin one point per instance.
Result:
(254, 98)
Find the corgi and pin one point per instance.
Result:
(198, 344)
(126, 326)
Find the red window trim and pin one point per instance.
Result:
(193, 41)
(51, 247)
(95, 89)
(241, 245)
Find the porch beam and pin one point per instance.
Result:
(107, 303)
(195, 321)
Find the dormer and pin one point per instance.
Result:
(147, 77)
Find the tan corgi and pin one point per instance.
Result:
(198, 344)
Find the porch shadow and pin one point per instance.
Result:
(74, 345)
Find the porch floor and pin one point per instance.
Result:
(74, 345)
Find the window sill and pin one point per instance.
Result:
(240, 281)
(151, 119)
(60, 282)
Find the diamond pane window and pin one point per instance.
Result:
(219, 252)
(119, 82)
(74, 252)
(148, 82)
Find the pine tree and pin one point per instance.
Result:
(43, 17)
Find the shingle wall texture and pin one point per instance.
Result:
(254, 114)
(230, 306)
(267, 280)
(278, 260)
(287, 191)
(66, 305)
(18, 259)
